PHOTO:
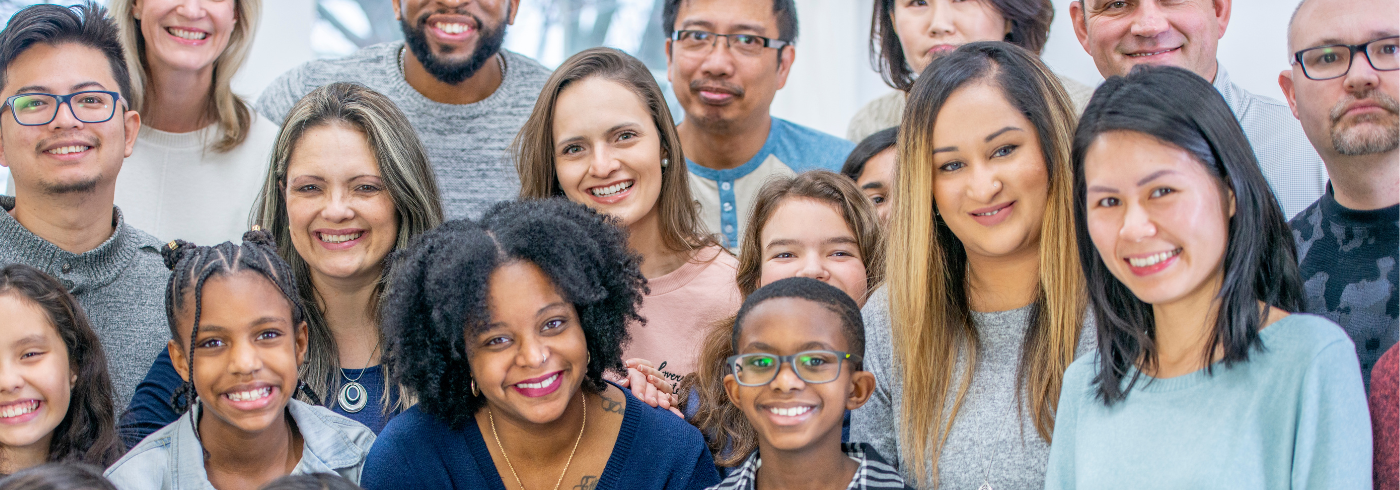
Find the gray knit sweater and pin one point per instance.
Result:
(120, 285)
(990, 438)
(468, 144)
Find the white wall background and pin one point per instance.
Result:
(832, 76)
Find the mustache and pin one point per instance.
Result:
(1382, 99)
(716, 86)
(85, 139)
(460, 10)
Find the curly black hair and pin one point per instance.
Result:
(439, 290)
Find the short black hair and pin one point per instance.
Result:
(439, 291)
(806, 288)
(58, 476)
(872, 145)
(85, 24)
(784, 10)
(1260, 265)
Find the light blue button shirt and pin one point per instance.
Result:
(1286, 157)
(173, 458)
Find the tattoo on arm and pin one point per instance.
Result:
(589, 482)
(610, 405)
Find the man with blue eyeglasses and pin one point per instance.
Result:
(726, 59)
(64, 130)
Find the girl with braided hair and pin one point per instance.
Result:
(55, 393)
(237, 338)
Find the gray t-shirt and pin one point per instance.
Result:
(468, 144)
(120, 285)
(990, 438)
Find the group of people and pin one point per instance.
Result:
(1002, 279)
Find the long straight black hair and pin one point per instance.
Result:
(1260, 263)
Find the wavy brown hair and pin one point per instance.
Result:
(723, 424)
(1030, 29)
(88, 432)
(681, 228)
(929, 313)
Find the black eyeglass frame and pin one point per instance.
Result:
(1351, 56)
(777, 44)
(61, 101)
(791, 361)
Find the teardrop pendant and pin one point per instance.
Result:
(986, 485)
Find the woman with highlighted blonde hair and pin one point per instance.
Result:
(984, 304)
(202, 151)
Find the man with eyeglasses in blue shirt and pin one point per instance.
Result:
(1343, 87)
(726, 59)
(65, 128)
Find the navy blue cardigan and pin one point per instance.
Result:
(655, 450)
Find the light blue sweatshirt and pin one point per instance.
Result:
(1293, 416)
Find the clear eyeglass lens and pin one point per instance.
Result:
(1385, 54)
(812, 367)
(697, 41)
(1327, 61)
(87, 107)
(818, 367)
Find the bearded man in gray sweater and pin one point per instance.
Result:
(64, 130)
(464, 95)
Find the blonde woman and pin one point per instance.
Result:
(984, 307)
(202, 151)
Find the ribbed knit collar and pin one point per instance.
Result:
(79, 272)
(1384, 217)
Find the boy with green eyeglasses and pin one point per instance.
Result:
(797, 370)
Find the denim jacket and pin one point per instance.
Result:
(173, 459)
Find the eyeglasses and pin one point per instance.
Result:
(90, 106)
(701, 42)
(813, 366)
(1334, 60)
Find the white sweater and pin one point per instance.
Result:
(174, 186)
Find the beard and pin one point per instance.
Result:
(1370, 134)
(79, 187)
(489, 42)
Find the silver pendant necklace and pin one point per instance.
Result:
(353, 396)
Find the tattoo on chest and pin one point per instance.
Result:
(610, 405)
(589, 482)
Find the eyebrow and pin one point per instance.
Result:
(556, 304)
(1375, 36)
(260, 321)
(1154, 176)
(999, 132)
(710, 25)
(31, 340)
(873, 185)
(791, 241)
(813, 345)
(41, 88)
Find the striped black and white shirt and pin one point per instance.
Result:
(873, 473)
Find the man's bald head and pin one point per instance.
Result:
(1293, 24)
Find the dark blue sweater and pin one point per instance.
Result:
(655, 450)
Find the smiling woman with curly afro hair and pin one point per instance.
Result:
(503, 328)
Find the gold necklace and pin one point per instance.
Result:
(492, 416)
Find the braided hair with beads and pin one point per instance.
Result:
(192, 265)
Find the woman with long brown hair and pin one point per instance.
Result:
(985, 306)
(601, 136)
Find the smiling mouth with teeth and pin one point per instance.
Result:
(534, 386)
(17, 409)
(340, 238)
(1153, 259)
(612, 189)
(790, 412)
(64, 150)
(187, 34)
(1154, 53)
(250, 395)
(452, 28)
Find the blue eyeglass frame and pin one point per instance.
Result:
(64, 100)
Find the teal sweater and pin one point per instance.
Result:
(1293, 416)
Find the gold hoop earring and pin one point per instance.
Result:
(474, 391)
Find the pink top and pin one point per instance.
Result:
(682, 306)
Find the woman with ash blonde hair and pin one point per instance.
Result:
(349, 184)
(202, 150)
(984, 308)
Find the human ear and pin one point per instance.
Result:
(301, 343)
(131, 121)
(1081, 24)
(177, 358)
(785, 60)
(731, 389)
(1285, 82)
(862, 386)
(514, 9)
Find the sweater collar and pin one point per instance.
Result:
(82, 271)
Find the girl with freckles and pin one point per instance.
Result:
(1203, 377)
(238, 334)
(602, 136)
(55, 393)
(503, 329)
